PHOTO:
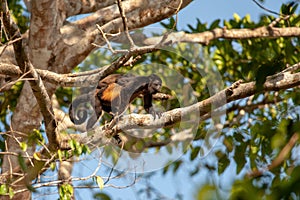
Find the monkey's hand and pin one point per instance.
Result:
(154, 113)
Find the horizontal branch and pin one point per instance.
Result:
(84, 7)
(207, 36)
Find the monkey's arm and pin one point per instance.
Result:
(148, 106)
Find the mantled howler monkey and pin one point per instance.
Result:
(113, 95)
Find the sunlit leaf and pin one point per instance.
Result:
(100, 182)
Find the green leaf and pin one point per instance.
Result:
(244, 190)
(207, 192)
(166, 168)
(59, 153)
(195, 152)
(100, 182)
(236, 17)
(215, 24)
(36, 156)
(101, 196)
(223, 163)
(3, 189)
(53, 166)
(86, 149)
(66, 192)
(239, 157)
(176, 165)
(36, 137)
(23, 146)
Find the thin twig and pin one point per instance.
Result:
(9, 43)
(266, 9)
(125, 27)
(277, 20)
(14, 82)
(105, 38)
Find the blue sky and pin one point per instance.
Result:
(206, 11)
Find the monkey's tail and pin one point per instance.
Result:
(78, 111)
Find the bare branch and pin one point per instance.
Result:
(83, 7)
(266, 9)
(125, 26)
(105, 38)
(207, 36)
(279, 159)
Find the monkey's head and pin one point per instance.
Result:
(154, 84)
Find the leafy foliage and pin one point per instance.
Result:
(66, 192)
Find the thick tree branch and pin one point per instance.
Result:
(207, 36)
(106, 14)
(83, 7)
(45, 22)
(72, 8)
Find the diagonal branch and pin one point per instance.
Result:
(279, 159)
(125, 26)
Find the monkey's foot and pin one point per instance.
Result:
(115, 120)
(111, 126)
(117, 138)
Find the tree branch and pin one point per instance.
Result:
(36, 84)
(83, 7)
(279, 159)
(207, 36)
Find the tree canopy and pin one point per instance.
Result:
(230, 117)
